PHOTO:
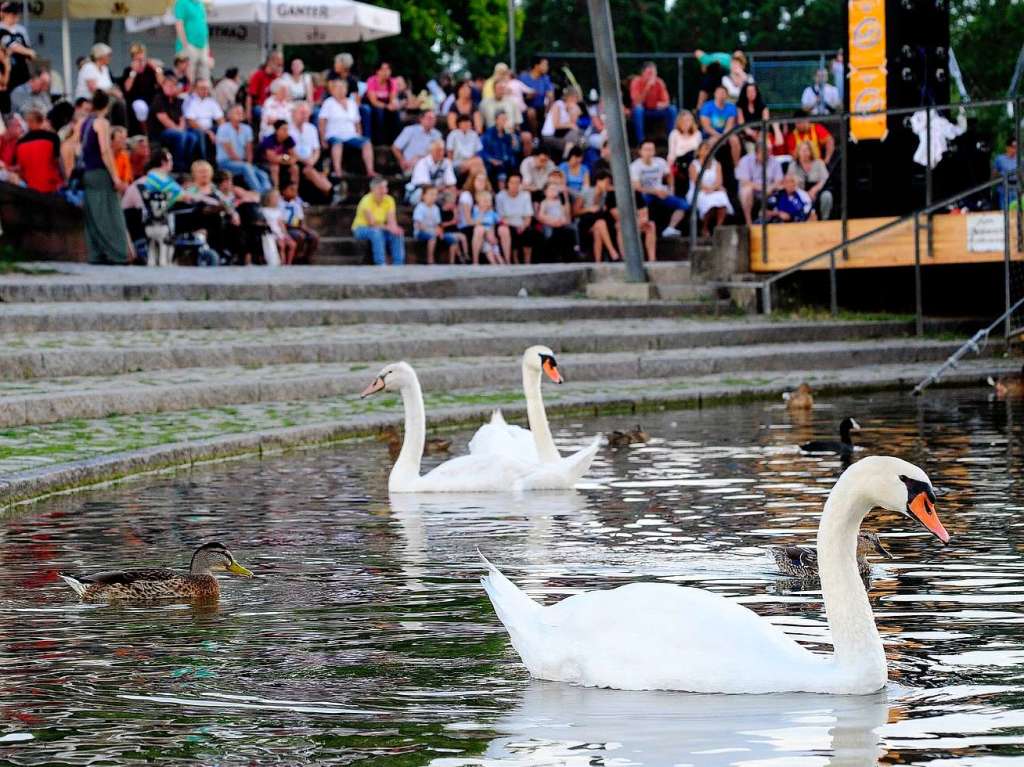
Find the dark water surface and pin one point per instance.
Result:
(367, 639)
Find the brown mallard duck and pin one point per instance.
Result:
(623, 438)
(155, 583)
(393, 438)
(801, 399)
(802, 561)
(1008, 385)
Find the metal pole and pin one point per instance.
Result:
(764, 193)
(266, 31)
(1006, 251)
(766, 298)
(512, 35)
(918, 298)
(844, 139)
(833, 289)
(1017, 179)
(679, 83)
(928, 156)
(608, 77)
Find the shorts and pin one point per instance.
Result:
(447, 238)
(355, 142)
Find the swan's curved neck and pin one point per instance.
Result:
(407, 466)
(854, 634)
(542, 438)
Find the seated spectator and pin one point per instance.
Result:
(167, 124)
(414, 141)
(821, 97)
(277, 152)
(713, 203)
(307, 150)
(226, 89)
(15, 129)
(377, 222)
(487, 223)
(213, 214)
(713, 66)
(299, 81)
(182, 69)
(751, 173)
(822, 144)
(34, 94)
(340, 127)
(535, 170)
(278, 106)
(750, 108)
(464, 147)
(464, 219)
(138, 155)
(517, 90)
(554, 216)
(408, 102)
(122, 158)
(650, 100)
(500, 149)
(500, 102)
(273, 215)
(648, 230)
(294, 219)
(1004, 164)
(342, 70)
(791, 203)
(682, 148)
(380, 107)
(650, 175)
(577, 177)
(258, 89)
(37, 155)
(235, 151)
(245, 219)
(460, 104)
(426, 223)
(501, 73)
(538, 81)
(718, 117)
(204, 116)
(737, 77)
(95, 73)
(593, 220)
(141, 84)
(561, 126)
(514, 206)
(811, 176)
(433, 169)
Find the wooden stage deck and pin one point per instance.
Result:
(790, 243)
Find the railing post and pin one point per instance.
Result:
(918, 298)
(1020, 213)
(679, 82)
(928, 175)
(844, 138)
(832, 288)
(766, 297)
(764, 193)
(1006, 249)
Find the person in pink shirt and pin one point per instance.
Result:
(650, 100)
(380, 106)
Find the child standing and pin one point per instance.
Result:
(553, 214)
(485, 221)
(274, 217)
(294, 215)
(427, 227)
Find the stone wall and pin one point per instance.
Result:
(40, 227)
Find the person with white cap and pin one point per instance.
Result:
(95, 73)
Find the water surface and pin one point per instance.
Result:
(367, 639)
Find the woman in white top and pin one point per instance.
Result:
(300, 83)
(95, 73)
(278, 106)
(737, 77)
(712, 202)
(340, 126)
(683, 141)
(562, 118)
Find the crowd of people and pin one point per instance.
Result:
(501, 168)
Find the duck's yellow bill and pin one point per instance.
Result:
(237, 569)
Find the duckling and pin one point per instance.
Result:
(1008, 386)
(802, 561)
(801, 399)
(845, 445)
(624, 438)
(393, 438)
(149, 584)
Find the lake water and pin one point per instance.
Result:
(366, 639)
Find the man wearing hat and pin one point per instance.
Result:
(193, 37)
(14, 39)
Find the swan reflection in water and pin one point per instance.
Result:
(567, 725)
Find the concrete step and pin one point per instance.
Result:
(88, 353)
(59, 399)
(234, 315)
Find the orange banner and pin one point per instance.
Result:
(867, 68)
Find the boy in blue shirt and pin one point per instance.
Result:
(426, 225)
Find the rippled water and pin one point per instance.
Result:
(367, 639)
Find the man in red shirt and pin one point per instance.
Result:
(650, 99)
(37, 155)
(815, 134)
(259, 85)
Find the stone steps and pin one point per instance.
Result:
(61, 398)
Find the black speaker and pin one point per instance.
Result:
(917, 50)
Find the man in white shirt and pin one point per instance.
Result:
(307, 147)
(340, 126)
(821, 98)
(414, 141)
(750, 173)
(464, 147)
(433, 169)
(515, 208)
(535, 170)
(650, 175)
(204, 115)
(502, 102)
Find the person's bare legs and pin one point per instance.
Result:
(463, 247)
(650, 232)
(317, 179)
(747, 201)
(275, 174)
(336, 150)
(720, 214)
(734, 145)
(367, 151)
(601, 234)
(527, 255)
(478, 243)
(491, 240)
(505, 238)
(676, 218)
(431, 247)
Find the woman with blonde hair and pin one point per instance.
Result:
(683, 141)
(465, 221)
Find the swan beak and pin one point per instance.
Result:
(882, 550)
(551, 368)
(854, 426)
(237, 569)
(373, 388)
(922, 508)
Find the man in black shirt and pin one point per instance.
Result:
(14, 39)
(648, 230)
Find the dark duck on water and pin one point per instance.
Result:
(844, 446)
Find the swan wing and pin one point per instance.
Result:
(562, 474)
(648, 636)
(470, 474)
(499, 437)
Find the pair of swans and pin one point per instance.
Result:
(657, 636)
(501, 457)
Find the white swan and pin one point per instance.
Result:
(489, 473)
(536, 443)
(648, 636)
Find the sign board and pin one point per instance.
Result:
(866, 38)
(984, 232)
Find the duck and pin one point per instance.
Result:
(801, 399)
(156, 583)
(802, 561)
(625, 438)
(844, 446)
(393, 438)
(536, 445)
(661, 636)
(1008, 386)
(496, 472)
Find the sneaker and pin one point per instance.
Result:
(670, 231)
